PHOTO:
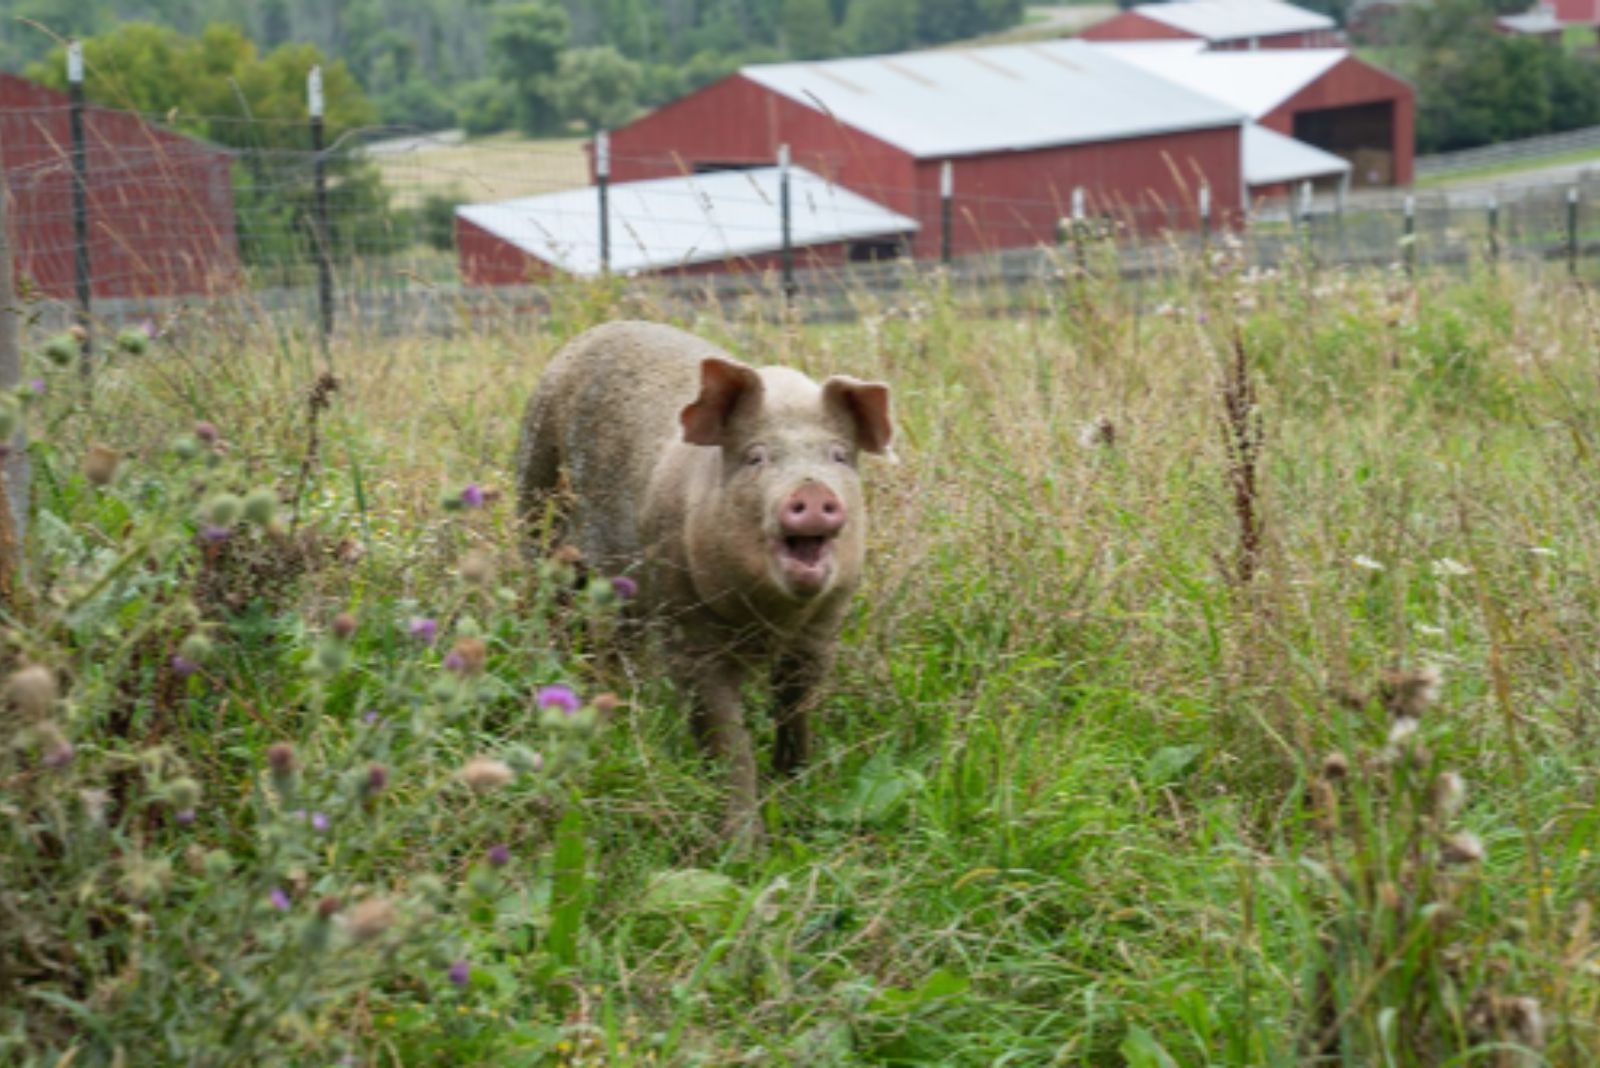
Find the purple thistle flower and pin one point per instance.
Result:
(624, 587)
(37, 385)
(454, 662)
(279, 899)
(558, 696)
(499, 855)
(215, 535)
(319, 821)
(423, 629)
(60, 756)
(183, 667)
(150, 329)
(185, 816)
(460, 973)
(1202, 318)
(472, 496)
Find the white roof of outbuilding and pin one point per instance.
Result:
(1232, 20)
(1253, 82)
(966, 101)
(1270, 158)
(672, 222)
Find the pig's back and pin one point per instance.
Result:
(605, 411)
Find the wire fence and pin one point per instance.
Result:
(374, 231)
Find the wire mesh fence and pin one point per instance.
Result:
(171, 218)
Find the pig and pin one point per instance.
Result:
(732, 493)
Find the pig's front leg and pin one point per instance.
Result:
(719, 726)
(797, 678)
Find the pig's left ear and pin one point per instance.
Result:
(868, 404)
(723, 383)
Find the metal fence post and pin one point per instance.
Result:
(947, 192)
(1078, 214)
(1572, 231)
(80, 202)
(1305, 217)
(602, 185)
(1205, 216)
(1411, 236)
(1494, 229)
(319, 179)
(783, 208)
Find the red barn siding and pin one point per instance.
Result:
(737, 121)
(1352, 83)
(1584, 12)
(160, 205)
(1003, 199)
(1010, 200)
(1132, 26)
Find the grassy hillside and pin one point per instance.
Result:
(1223, 692)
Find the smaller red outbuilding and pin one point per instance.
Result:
(1222, 24)
(160, 205)
(1323, 97)
(729, 220)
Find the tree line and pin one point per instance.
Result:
(542, 66)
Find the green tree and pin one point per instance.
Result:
(875, 26)
(597, 86)
(527, 40)
(808, 29)
(218, 87)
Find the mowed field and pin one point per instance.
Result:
(1223, 691)
(499, 167)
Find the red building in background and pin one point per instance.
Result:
(1224, 25)
(160, 205)
(1022, 126)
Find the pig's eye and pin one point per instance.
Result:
(838, 453)
(756, 455)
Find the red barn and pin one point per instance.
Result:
(1323, 97)
(1576, 12)
(160, 205)
(1225, 25)
(1023, 126)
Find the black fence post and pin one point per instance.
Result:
(602, 185)
(1494, 229)
(1305, 218)
(1340, 196)
(947, 192)
(1410, 238)
(1078, 216)
(319, 179)
(1572, 231)
(80, 203)
(783, 209)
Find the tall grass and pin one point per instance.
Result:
(1087, 789)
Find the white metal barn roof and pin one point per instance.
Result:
(1253, 82)
(1270, 157)
(1233, 20)
(672, 222)
(959, 102)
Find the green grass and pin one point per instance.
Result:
(1072, 801)
(1479, 174)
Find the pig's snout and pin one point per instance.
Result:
(808, 521)
(812, 511)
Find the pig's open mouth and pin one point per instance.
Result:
(806, 561)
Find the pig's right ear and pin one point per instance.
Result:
(722, 384)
